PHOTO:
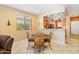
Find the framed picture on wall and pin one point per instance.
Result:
(58, 23)
(23, 22)
(53, 21)
(48, 23)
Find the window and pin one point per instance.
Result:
(23, 22)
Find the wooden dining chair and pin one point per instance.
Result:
(48, 40)
(30, 39)
(38, 43)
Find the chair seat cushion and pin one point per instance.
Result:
(31, 39)
(47, 40)
(3, 51)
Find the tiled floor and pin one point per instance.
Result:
(72, 46)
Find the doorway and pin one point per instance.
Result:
(74, 27)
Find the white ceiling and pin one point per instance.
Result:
(73, 9)
(37, 9)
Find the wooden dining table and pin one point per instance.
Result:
(39, 40)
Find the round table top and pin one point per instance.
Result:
(39, 41)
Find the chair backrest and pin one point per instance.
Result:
(50, 35)
(28, 35)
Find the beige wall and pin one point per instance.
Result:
(6, 14)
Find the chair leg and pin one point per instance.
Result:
(28, 45)
(50, 45)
